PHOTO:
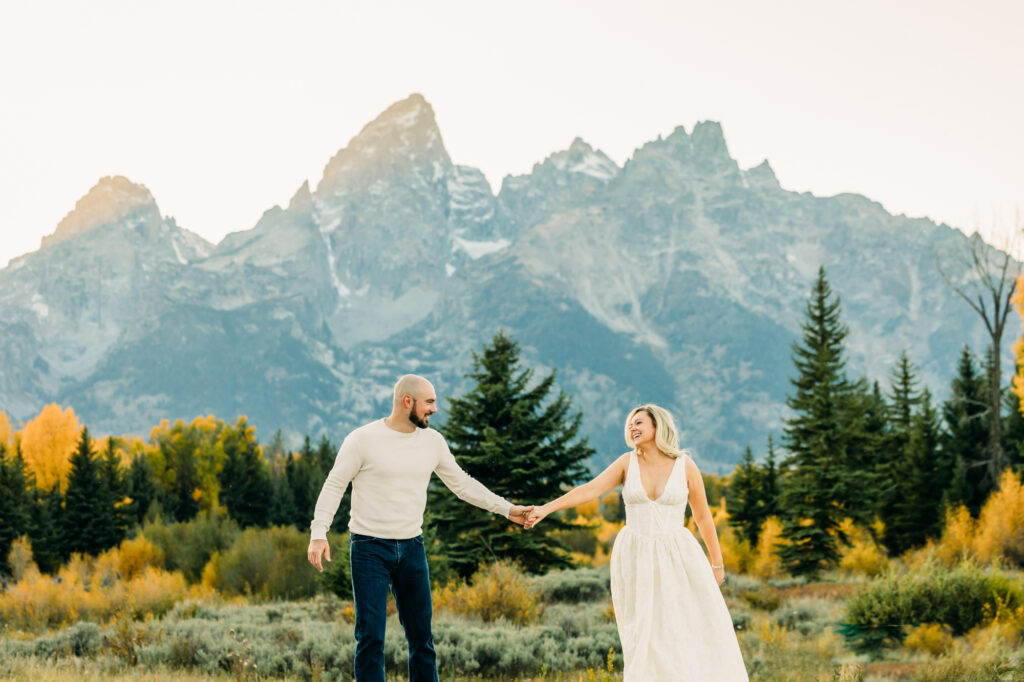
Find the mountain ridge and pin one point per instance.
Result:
(677, 278)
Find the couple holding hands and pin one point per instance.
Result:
(672, 619)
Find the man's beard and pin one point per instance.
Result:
(418, 421)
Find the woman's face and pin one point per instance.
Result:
(641, 428)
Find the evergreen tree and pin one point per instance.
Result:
(520, 444)
(244, 481)
(15, 502)
(142, 489)
(875, 434)
(966, 415)
(181, 493)
(113, 476)
(825, 481)
(745, 499)
(918, 514)
(87, 523)
(282, 505)
(48, 545)
(895, 469)
(1013, 427)
(305, 477)
(769, 487)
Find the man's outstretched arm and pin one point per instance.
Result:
(476, 493)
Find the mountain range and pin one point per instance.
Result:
(677, 278)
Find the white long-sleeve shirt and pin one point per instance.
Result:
(389, 471)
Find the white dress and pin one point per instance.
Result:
(672, 618)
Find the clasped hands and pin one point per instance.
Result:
(526, 516)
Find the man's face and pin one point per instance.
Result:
(423, 406)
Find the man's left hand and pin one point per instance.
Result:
(518, 513)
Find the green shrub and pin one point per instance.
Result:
(764, 598)
(960, 598)
(266, 562)
(188, 545)
(574, 587)
(81, 639)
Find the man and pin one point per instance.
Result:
(389, 463)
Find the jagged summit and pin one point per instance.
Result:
(580, 157)
(763, 174)
(404, 138)
(110, 200)
(709, 141)
(302, 201)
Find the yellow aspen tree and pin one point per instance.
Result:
(47, 443)
(1000, 529)
(6, 431)
(1018, 346)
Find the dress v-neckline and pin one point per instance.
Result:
(640, 478)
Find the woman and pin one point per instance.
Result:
(672, 619)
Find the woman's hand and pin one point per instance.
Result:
(719, 572)
(535, 516)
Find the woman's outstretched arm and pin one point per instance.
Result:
(610, 478)
(702, 517)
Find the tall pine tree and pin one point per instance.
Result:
(87, 523)
(141, 487)
(244, 481)
(521, 444)
(744, 498)
(49, 548)
(895, 466)
(181, 475)
(769, 488)
(966, 414)
(824, 481)
(113, 476)
(15, 502)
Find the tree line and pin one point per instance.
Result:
(889, 458)
(509, 431)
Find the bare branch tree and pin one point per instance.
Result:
(988, 283)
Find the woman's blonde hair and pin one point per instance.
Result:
(666, 438)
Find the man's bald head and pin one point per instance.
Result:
(412, 385)
(414, 402)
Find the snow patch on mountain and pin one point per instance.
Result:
(475, 249)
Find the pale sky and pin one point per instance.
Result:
(223, 109)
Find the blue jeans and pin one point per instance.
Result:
(378, 564)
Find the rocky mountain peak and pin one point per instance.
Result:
(580, 157)
(302, 201)
(763, 175)
(403, 139)
(111, 200)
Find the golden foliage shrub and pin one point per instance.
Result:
(1000, 527)
(957, 539)
(47, 443)
(136, 554)
(737, 554)
(929, 638)
(497, 591)
(20, 558)
(765, 563)
(862, 555)
(95, 590)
